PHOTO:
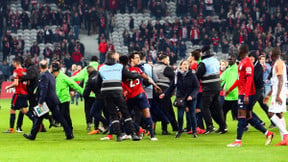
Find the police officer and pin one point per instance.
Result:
(163, 75)
(208, 74)
(110, 79)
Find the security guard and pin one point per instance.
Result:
(208, 73)
(163, 75)
(110, 78)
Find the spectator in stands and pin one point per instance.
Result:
(102, 49)
(35, 59)
(71, 46)
(6, 47)
(47, 52)
(215, 42)
(76, 56)
(24, 19)
(68, 61)
(102, 25)
(34, 19)
(6, 70)
(40, 37)
(131, 23)
(21, 43)
(182, 50)
(76, 22)
(25, 4)
(110, 46)
(81, 47)
(48, 35)
(35, 49)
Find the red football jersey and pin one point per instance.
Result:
(21, 88)
(245, 70)
(134, 86)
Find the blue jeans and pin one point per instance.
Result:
(96, 112)
(102, 57)
(191, 116)
(76, 31)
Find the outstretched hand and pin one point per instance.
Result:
(162, 96)
(158, 89)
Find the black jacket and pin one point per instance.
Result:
(47, 90)
(258, 75)
(187, 85)
(93, 86)
(32, 77)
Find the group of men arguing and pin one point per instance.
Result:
(123, 87)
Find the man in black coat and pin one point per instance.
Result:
(32, 77)
(259, 84)
(47, 93)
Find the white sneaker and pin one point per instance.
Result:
(19, 130)
(154, 139)
(235, 144)
(106, 138)
(126, 137)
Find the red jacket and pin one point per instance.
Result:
(103, 47)
(76, 57)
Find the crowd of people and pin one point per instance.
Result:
(134, 90)
(134, 95)
(219, 23)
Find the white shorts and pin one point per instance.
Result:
(275, 107)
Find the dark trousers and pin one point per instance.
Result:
(211, 105)
(156, 113)
(65, 111)
(190, 115)
(96, 112)
(56, 115)
(230, 105)
(112, 102)
(88, 102)
(102, 57)
(167, 108)
(259, 97)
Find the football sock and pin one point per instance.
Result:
(20, 120)
(279, 125)
(12, 120)
(255, 122)
(283, 122)
(149, 123)
(199, 120)
(241, 127)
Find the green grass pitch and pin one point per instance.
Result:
(52, 146)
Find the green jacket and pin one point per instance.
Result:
(63, 82)
(228, 77)
(83, 75)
